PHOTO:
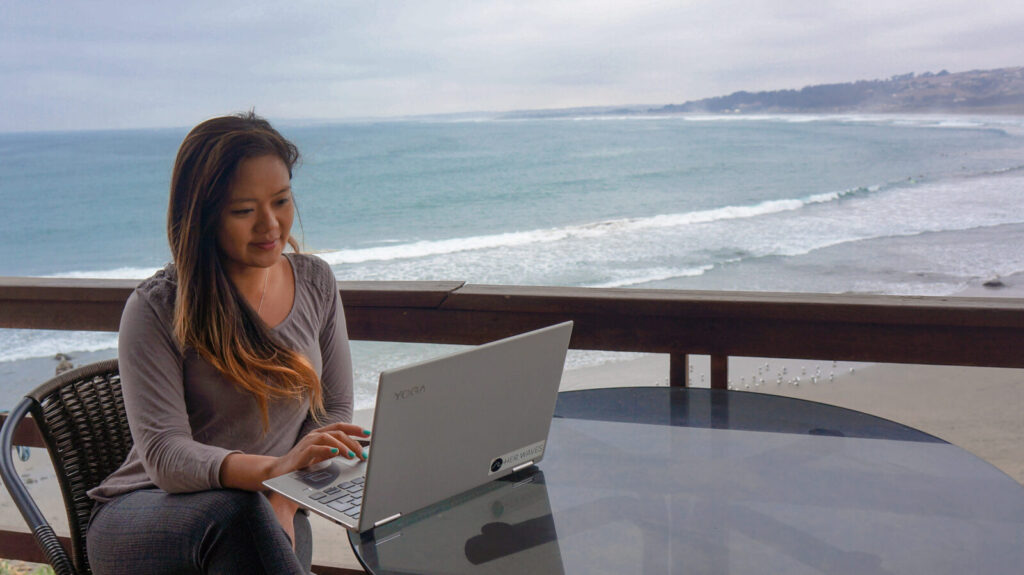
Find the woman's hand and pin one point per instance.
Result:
(246, 471)
(320, 444)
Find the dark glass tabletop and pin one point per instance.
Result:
(673, 480)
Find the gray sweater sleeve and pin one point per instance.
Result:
(152, 383)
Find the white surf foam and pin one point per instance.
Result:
(127, 273)
(427, 248)
(25, 344)
(652, 275)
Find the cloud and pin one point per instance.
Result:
(110, 65)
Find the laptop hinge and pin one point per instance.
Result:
(387, 519)
(522, 466)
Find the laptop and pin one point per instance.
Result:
(442, 427)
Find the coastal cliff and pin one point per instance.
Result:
(998, 91)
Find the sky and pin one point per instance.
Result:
(114, 65)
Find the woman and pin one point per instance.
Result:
(235, 368)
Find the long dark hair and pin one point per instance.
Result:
(210, 316)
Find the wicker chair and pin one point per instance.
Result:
(81, 416)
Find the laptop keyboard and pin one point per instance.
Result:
(346, 497)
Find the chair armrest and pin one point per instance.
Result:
(34, 518)
(12, 481)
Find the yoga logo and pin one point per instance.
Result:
(406, 393)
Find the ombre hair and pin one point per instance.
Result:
(210, 315)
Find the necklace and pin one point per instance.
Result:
(264, 292)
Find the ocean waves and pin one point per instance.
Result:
(593, 230)
(657, 249)
(669, 250)
(1009, 122)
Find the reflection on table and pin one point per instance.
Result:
(505, 526)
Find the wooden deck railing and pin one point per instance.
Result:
(890, 329)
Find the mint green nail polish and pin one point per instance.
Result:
(366, 432)
(350, 454)
(334, 450)
(364, 454)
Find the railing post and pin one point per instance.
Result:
(719, 372)
(678, 368)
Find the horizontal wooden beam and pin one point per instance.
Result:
(22, 546)
(892, 329)
(95, 305)
(74, 304)
(398, 294)
(27, 433)
(829, 340)
(845, 308)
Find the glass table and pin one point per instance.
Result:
(677, 480)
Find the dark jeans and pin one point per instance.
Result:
(220, 531)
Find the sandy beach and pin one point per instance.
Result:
(978, 409)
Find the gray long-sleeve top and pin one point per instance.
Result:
(185, 417)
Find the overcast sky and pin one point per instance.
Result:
(106, 64)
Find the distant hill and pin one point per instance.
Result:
(976, 92)
(979, 91)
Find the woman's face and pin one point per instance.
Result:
(257, 219)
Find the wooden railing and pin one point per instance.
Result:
(890, 329)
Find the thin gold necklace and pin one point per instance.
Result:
(264, 293)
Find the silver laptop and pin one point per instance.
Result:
(442, 427)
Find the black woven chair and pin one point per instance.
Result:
(81, 416)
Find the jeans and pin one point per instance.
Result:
(218, 531)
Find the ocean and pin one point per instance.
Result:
(916, 205)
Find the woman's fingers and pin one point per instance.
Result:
(346, 434)
(348, 429)
(314, 454)
(349, 447)
(339, 441)
(325, 443)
